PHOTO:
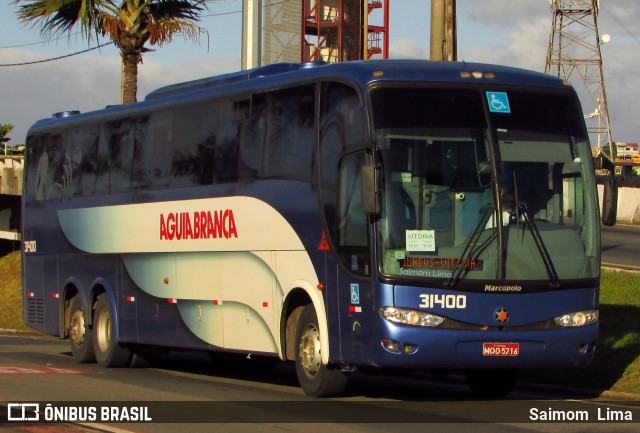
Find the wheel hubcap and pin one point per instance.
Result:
(76, 328)
(103, 334)
(310, 357)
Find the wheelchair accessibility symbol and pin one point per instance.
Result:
(355, 294)
(498, 102)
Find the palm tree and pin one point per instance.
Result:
(130, 24)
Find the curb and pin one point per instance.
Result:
(21, 333)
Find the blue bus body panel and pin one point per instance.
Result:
(480, 308)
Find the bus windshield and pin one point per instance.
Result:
(485, 186)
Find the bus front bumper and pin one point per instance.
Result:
(408, 347)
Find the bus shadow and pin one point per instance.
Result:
(403, 386)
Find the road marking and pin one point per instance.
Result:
(42, 370)
(619, 267)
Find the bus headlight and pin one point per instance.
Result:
(411, 317)
(579, 318)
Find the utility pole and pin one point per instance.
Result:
(251, 34)
(444, 44)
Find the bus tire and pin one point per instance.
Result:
(492, 383)
(80, 335)
(109, 353)
(316, 379)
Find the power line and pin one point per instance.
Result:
(57, 58)
(221, 14)
(41, 42)
(621, 24)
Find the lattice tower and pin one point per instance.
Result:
(574, 47)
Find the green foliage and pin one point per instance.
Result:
(5, 129)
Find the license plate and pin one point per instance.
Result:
(500, 349)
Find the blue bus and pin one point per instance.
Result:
(378, 215)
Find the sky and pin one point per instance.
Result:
(508, 32)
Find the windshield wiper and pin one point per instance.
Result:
(542, 249)
(470, 249)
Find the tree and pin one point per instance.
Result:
(4, 130)
(130, 24)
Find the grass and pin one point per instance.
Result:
(11, 293)
(616, 365)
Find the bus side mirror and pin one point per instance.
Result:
(610, 192)
(370, 196)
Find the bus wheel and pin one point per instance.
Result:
(109, 353)
(316, 380)
(80, 336)
(492, 383)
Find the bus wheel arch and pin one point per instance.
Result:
(295, 302)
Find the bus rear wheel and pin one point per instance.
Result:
(316, 379)
(80, 336)
(492, 383)
(109, 353)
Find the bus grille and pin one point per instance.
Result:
(35, 311)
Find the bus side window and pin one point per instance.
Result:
(252, 138)
(140, 177)
(225, 155)
(38, 167)
(79, 162)
(353, 238)
(341, 129)
(55, 174)
(288, 149)
(159, 144)
(121, 135)
(194, 141)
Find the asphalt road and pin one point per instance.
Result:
(621, 246)
(187, 392)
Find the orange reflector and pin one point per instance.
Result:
(320, 286)
(166, 280)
